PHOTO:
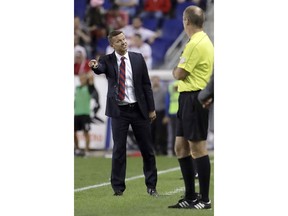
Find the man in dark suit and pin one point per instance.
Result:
(129, 101)
(206, 98)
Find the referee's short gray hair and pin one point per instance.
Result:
(195, 15)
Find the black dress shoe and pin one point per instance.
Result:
(152, 192)
(118, 193)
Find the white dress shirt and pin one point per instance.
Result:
(129, 85)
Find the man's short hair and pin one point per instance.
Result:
(113, 34)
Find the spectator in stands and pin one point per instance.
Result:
(80, 61)
(115, 18)
(78, 46)
(137, 28)
(82, 111)
(138, 45)
(130, 6)
(157, 9)
(82, 32)
(96, 24)
(159, 126)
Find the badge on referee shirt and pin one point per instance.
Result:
(182, 60)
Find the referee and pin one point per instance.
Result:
(193, 72)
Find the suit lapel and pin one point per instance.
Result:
(114, 63)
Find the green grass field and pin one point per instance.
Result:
(98, 200)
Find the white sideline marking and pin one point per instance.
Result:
(177, 190)
(128, 179)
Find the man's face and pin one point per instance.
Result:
(119, 43)
(137, 41)
(137, 23)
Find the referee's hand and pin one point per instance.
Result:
(93, 63)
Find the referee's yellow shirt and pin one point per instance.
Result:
(197, 59)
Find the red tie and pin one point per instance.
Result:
(121, 90)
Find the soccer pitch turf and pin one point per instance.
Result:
(93, 195)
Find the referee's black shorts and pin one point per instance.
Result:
(192, 118)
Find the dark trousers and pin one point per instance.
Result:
(142, 131)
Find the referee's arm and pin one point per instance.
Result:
(179, 73)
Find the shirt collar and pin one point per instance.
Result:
(196, 34)
(119, 56)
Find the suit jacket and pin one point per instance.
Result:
(108, 65)
(205, 94)
(208, 91)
